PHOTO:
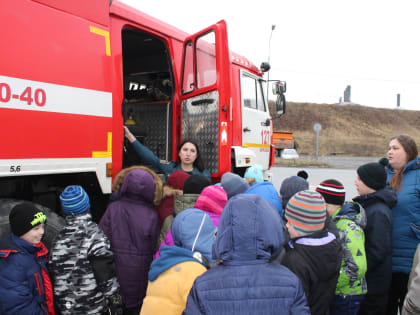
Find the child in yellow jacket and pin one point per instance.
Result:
(172, 275)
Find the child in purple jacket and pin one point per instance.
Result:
(132, 226)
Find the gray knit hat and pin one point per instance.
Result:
(233, 184)
(291, 186)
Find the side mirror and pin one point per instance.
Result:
(281, 104)
(279, 87)
(265, 66)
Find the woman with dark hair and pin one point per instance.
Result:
(189, 158)
(403, 175)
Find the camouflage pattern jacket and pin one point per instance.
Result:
(351, 221)
(82, 267)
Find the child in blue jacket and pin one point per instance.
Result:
(25, 286)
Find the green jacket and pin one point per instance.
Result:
(351, 220)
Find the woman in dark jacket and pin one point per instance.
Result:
(244, 282)
(377, 199)
(403, 175)
(132, 226)
(188, 154)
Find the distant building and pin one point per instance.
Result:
(347, 94)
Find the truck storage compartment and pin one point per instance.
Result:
(148, 90)
(151, 124)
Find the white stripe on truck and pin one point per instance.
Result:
(47, 97)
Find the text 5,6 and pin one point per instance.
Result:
(15, 168)
(38, 96)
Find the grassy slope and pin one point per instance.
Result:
(347, 129)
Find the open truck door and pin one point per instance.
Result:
(205, 96)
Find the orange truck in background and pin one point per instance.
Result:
(283, 140)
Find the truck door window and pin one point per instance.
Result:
(249, 95)
(188, 76)
(252, 93)
(206, 60)
(260, 96)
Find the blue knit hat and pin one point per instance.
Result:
(256, 172)
(74, 200)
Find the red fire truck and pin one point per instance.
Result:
(72, 73)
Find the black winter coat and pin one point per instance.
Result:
(378, 234)
(316, 260)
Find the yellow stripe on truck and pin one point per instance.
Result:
(256, 145)
(108, 152)
(105, 34)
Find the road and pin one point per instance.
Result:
(343, 162)
(317, 175)
(344, 170)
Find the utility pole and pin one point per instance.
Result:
(269, 51)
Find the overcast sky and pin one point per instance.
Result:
(318, 47)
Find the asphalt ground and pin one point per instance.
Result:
(342, 169)
(342, 162)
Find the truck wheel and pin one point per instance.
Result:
(54, 222)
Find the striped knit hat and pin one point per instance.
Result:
(74, 200)
(307, 212)
(332, 191)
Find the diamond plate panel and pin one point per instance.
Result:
(200, 122)
(152, 120)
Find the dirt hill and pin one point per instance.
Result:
(346, 129)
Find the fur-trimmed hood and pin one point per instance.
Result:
(118, 180)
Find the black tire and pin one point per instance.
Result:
(54, 222)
